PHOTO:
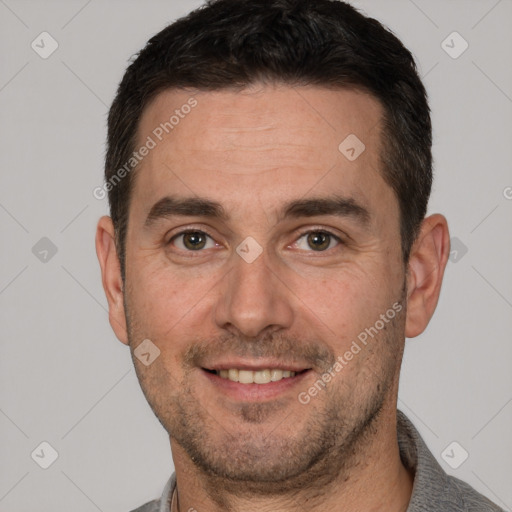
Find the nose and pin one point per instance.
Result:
(254, 298)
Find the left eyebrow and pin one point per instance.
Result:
(331, 205)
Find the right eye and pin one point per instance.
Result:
(192, 240)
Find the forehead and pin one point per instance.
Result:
(263, 142)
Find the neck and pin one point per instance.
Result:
(376, 481)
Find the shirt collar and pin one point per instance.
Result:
(165, 501)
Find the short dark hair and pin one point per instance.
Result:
(236, 43)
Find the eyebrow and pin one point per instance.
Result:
(340, 206)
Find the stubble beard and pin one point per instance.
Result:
(326, 448)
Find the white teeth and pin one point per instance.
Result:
(257, 377)
(276, 375)
(245, 376)
(262, 377)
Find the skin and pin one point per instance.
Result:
(252, 151)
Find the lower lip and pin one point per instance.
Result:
(255, 392)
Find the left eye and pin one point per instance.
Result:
(319, 241)
(192, 241)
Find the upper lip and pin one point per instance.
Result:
(260, 364)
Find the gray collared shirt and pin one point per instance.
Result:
(433, 489)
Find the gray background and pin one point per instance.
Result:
(66, 380)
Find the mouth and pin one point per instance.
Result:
(264, 376)
(246, 384)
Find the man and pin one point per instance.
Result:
(269, 168)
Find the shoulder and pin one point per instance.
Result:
(463, 497)
(161, 504)
(151, 506)
(433, 488)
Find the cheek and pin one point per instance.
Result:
(343, 309)
(155, 288)
(344, 300)
(166, 304)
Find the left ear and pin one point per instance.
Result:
(427, 262)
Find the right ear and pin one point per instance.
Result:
(111, 277)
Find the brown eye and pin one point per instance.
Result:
(191, 240)
(319, 241)
(194, 240)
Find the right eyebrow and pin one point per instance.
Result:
(185, 206)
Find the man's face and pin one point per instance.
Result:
(294, 297)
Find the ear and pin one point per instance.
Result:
(111, 277)
(426, 266)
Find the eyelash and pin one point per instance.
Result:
(300, 235)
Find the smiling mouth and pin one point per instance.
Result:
(264, 376)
